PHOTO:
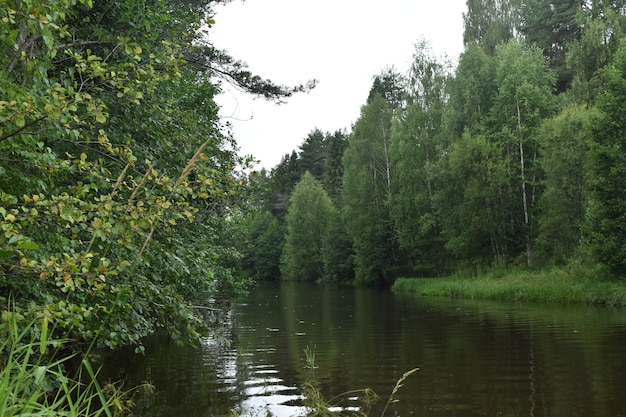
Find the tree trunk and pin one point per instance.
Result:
(524, 197)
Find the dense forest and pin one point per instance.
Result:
(120, 187)
(513, 157)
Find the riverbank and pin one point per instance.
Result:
(572, 284)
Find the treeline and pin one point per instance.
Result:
(119, 185)
(515, 157)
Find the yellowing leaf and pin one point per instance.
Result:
(20, 121)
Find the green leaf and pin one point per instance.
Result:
(19, 120)
(25, 244)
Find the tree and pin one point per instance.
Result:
(268, 250)
(552, 25)
(336, 145)
(489, 23)
(472, 91)
(312, 154)
(388, 85)
(337, 252)
(524, 99)
(603, 26)
(308, 213)
(564, 151)
(475, 217)
(284, 178)
(418, 143)
(607, 206)
(111, 148)
(367, 182)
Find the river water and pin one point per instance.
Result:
(474, 358)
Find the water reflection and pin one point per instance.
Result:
(476, 358)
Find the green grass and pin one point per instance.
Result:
(33, 380)
(571, 284)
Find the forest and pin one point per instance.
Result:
(512, 157)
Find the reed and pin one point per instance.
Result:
(392, 398)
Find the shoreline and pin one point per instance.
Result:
(571, 284)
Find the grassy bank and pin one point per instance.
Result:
(572, 284)
(34, 381)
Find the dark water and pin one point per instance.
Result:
(475, 358)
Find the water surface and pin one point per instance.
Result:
(475, 358)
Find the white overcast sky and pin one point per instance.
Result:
(341, 43)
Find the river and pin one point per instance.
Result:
(474, 358)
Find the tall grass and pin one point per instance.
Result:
(571, 284)
(33, 380)
(318, 406)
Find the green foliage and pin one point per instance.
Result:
(337, 252)
(119, 191)
(475, 221)
(552, 26)
(336, 145)
(501, 164)
(418, 145)
(367, 181)
(472, 91)
(268, 252)
(488, 23)
(308, 214)
(607, 227)
(524, 99)
(562, 206)
(388, 85)
(603, 26)
(312, 154)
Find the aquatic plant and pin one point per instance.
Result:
(318, 406)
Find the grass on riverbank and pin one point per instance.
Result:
(572, 284)
(34, 383)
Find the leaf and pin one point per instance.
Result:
(43, 341)
(20, 121)
(40, 372)
(25, 244)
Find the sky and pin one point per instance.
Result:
(341, 43)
